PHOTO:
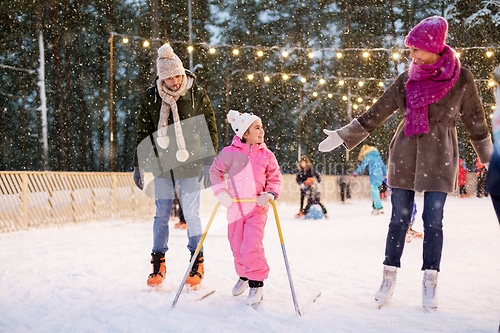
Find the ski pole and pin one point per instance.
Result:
(195, 255)
(295, 303)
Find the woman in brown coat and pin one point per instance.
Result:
(423, 154)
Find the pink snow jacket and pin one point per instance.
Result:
(248, 170)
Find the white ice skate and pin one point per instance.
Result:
(240, 287)
(255, 296)
(384, 294)
(429, 286)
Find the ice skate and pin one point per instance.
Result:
(240, 287)
(255, 296)
(415, 234)
(180, 225)
(159, 269)
(378, 211)
(197, 272)
(429, 286)
(384, 294)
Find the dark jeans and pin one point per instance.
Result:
(496, 204)
(402, 207)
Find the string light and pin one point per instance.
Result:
(360, 99)
(341, 82)
(260, 53)
(303, 80)
(361, 83)
(146, 43)
(267, 78)
(491, 83)
(236, 52)
(396, 55)
(489, 54)
(375, 100)
(366, 54)
(322, 81)
(285, 54)
(125, 40)
(190, 49)
(311, 55)
(250, 77)
(344, 98)
(355, 106)
(381, 84)
(330, 95)
(315, 94)
(285, 77)
(339, 55)
(212, 50)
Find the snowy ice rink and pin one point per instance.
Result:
(92, 277)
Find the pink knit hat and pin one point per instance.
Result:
(429, 35)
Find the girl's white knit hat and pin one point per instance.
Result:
(240, 122)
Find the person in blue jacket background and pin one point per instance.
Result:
(370, 157)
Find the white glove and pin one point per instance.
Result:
(333, 141)
(263, 199)
(225, 199)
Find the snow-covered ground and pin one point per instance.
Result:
(92, 277)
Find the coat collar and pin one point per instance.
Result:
(245, 146)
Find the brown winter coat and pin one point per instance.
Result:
(427, 161)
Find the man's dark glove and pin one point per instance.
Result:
(138, 177)
(205, 175)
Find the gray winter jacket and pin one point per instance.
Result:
(428, 161)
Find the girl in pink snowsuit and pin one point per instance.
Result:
(247, 170)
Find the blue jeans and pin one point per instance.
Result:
(402, 207)
(190, 198)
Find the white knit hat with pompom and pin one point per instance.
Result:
(240, 122)
(168, 63)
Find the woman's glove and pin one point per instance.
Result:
(225, 199)
(138, 177)
(333, 141)
(263, 198)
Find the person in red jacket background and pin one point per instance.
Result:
(462, 179)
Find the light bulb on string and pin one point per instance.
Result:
(211, 50)
(285, 77)
(310, 55)
(250, 77)
(491, 83)
(190, 49)
(360, 99)
(260, 53)
(267, 78)
(330, 95)
(489, 54)
(361, 83)
(322, 81)
(285, 54)
(355, 106)
(344, 98)
(366, 54)
(146, 43)
(381, 84)
(375, 100)
(341, 82)
(236, 52)
(339, 55)
(396, 55)
(303, 80)
(315, 94)
(125, 40)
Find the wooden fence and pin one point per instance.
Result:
(38, 199)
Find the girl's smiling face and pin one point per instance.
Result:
(255, 133)
(421, 57)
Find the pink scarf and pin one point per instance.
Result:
(426, 85)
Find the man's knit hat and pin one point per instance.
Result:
(429, 35)
(240, 122)
(168, 63)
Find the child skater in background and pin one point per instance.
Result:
(252, 172)
(313, 196)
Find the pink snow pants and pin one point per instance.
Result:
(246, 222)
